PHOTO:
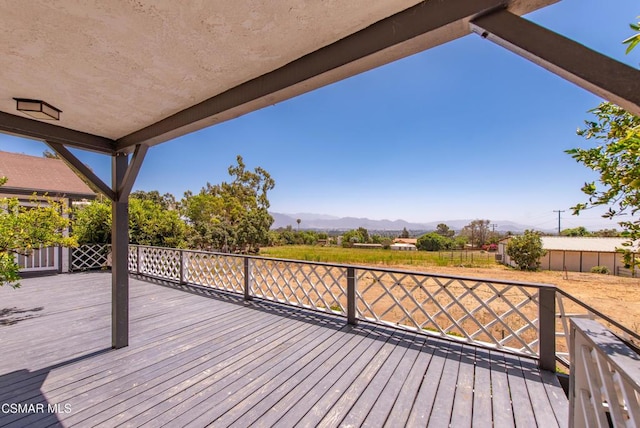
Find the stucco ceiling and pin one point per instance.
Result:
(116, 67)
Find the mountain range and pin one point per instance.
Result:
(328, 222)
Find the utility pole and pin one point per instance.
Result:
(493, 227)
(558, 211)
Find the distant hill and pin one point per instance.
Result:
(328, 222)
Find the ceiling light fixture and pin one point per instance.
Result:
(37, 109)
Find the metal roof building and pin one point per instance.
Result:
(578, 254)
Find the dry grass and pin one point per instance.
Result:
(616, 297)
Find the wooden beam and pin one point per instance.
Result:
(132, 172)
(44, 131)
(597, 73)
(82, 169)
(293, 79)
(119, 258)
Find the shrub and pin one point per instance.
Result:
(434, 242)
(600, 269)
(526, 250)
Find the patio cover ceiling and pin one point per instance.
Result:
(126, 73)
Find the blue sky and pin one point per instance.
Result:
(466, 130)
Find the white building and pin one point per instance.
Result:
(575, 254)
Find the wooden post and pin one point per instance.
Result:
(547, 329)
(247, 279)
(139, 260)
(351, 296)
(182, 281)
(119, 256)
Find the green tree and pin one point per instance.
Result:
(616, 160)
(634, 40)
(477, 232)
(92, 223)
(443, 230)
(525, 250)
(405, 233)
(25, 228)
(152, 224)
(149, 224)
(607, 233)
(576, 231)
(355, 236)
(166, 201)
(460, 242)
(433, 241)
(231, 216)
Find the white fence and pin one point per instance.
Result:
(87, 257)
(39, 260)
(605, 378)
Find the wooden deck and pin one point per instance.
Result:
(199, 358)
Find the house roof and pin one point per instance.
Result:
(413, 241)
(29, 174)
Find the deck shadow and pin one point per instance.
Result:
(11, 316)
(21, 395)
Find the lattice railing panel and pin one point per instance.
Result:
(214, 270)
(132, 260)
(309, 285)
(163, 263)
(92, 256)
(494, 314)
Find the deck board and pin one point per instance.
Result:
(199, 357)
(482, 390)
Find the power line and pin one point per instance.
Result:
(558, 211)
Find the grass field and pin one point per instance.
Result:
(380, 257)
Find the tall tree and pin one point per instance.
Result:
(443, 230)
(23, 229)
(616, 160)
(477, 231)
(231, 216)
(405, 233)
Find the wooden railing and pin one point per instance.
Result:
(523, 318)
(39, 259)
(605, 378)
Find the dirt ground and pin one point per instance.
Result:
(616, 297)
